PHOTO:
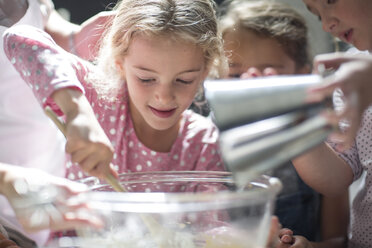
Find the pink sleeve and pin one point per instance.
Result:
(43, 65)
(351, 157)
(210, 159)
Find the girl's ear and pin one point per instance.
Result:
(120, 68)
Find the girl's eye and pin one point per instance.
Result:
(184, 81)
(331, 1)
(145, 80)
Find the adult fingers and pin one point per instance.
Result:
(58, 216)
(330, 60)
(73, 220)
(69, 187)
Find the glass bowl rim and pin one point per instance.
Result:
(266, 188)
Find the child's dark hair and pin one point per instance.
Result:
(272, 20)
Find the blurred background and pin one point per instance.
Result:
(78, 11)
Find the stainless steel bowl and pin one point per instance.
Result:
(189, 209)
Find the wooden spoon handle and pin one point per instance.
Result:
(62, 127)
(154, 227)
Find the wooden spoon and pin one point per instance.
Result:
(156, 230)
(154, 227)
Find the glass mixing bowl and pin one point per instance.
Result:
(181, 209)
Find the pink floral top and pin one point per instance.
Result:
(359, 158)
(46, 68)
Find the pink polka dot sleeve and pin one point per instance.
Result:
(43, 65)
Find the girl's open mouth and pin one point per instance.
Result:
(348, 35)
(163, 113)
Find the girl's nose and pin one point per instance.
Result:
(164, 93)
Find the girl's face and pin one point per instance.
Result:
(163, 77)
(349, 20)
(246, 50)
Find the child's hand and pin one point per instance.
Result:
(353, 77)
(288, 240)
(87, 142)
(274, 233)
(297, 242)
(286, 236)
(42, 201)
(89, 146)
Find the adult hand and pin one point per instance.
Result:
(353, 77)
(42, 201)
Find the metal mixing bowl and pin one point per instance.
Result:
(181, 209)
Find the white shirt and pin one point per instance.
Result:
(27, 137)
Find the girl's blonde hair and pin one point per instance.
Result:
(187, 20)
(272, 20)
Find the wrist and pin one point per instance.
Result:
(68, 101)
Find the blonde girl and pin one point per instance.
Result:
(154, 58)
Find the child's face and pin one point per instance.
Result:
(349, 20)
(247, 50)
(163, 77)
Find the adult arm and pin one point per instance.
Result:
(23, 187)
(323, 170)
(335, 214)
(82, 40)
(55, 77)
(352, 76)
